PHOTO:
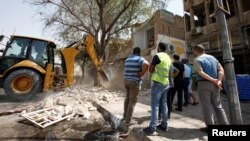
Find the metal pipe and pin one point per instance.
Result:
(234, 104)
(247, 42)
(185, 26)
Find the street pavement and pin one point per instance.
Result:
(183, 125)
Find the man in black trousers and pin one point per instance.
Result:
(178, 83)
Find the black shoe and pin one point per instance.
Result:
(185, 104)
(162, 128)
(195, 103)
(124, 133)
(204, 129)
(123, 127)
(178, 109)
(149, 131)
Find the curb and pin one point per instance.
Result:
(135, 134)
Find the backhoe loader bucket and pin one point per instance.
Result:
(103, 76)
(90, 41)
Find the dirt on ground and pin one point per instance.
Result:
(76, 99)
(87, 122)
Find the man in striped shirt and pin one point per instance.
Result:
(135, 67)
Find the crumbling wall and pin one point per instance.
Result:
(116, 53)
(118, 49)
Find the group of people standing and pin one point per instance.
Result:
(169, 77)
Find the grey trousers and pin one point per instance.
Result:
(210, 99)
(193, 98)
(132, 92)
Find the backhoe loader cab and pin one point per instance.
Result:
(23, 66)
(27, 65)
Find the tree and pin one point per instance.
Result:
(102, 19)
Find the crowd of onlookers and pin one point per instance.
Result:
(170, 76)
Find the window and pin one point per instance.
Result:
(39, 52)
(17, 48)
(245, 5)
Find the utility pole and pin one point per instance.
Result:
(234, 104)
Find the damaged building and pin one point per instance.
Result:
(202, 28)
(164, 27)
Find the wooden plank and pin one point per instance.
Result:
(43, 114)
(53, 122)
(38, 111)
(31, 120)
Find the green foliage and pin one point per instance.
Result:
(70, 19)
(103, 19)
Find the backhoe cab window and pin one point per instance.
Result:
(17, 48)
(39, 52)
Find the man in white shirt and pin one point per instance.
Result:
(187, 75)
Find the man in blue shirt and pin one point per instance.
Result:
(135, 67)
(210, 73)
(187, 74)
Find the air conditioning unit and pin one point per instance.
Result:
(170, 48)
(197, 31)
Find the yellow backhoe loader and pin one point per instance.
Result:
(27, 66)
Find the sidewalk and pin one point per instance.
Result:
(182, 125)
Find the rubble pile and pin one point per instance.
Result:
(79, 100)
(68, 103)
(73, 102)
(98, 95)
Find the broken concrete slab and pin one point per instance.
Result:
(74, 100)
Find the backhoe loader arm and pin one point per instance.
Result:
(69, 54)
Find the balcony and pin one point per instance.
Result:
(193, 3)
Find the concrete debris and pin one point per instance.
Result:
(59, 109)
(92, 108)
(105, 98)
(76, 101)
(68, 110)
(86, 115)
(145, 92)
(81, 111)
(61, 101)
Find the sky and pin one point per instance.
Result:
(176, 7)
(20, 18)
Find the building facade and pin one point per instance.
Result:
(164, 27)
(201, 27)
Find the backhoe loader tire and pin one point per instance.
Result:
(22, 84)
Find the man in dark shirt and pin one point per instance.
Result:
(178, 82)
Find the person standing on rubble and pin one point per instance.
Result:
(135, 67)
(161, 69)
(210, 73)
